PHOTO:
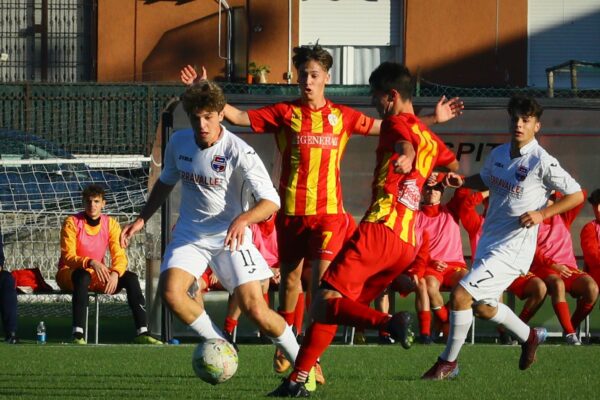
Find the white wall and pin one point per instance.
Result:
(562, 30)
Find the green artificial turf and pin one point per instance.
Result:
(59, 371)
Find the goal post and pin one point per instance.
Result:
(36, 195)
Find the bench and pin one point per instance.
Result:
(67, 297)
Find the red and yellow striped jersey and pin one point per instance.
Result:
(312, 143)
(396, 197)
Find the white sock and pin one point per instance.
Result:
(287, 343)
(77, 329)
(511, 321)
(460, 322)
(141, 330)
(204, 327)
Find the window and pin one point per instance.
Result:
(46, 40)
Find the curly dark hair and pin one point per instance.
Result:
(524, 105)
(204, 95)
(93, 190)
(316, 53)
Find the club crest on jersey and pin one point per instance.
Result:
(333, 119)
(218, 163)
(521, 173)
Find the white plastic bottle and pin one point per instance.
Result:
(41, 333)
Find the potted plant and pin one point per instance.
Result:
(259, 72)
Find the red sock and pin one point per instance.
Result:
(266, 297)
(299, 313)
(317, 339)
(343, 311)
(562, 312)
(424, 322)
(230, 325)
(525, 315)
(582, 311)
(442, 314)
(288, 316)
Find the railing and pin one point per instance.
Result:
(92, 118)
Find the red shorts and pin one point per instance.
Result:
(369, 262)
(312, 237)
(543, 273)
(445, 277)
(518, 286)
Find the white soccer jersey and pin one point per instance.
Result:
(516, 186)
(214, 182)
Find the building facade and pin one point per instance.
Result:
(481, 43)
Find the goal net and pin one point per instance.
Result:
(36, 195)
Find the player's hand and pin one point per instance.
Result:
(101, 270)
(453, 180)
(403, 165)
(213, 280)
(130, 230)
(188, 75)
(111, 285)
(432, 180)
(439, 265)
(236, 232)
(276, 279)
(563, 270)
(531, 218)
(446, 109)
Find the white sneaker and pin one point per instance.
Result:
(572, 339)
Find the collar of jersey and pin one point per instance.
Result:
(528, 147)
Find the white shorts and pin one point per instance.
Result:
(489, 278)
(233, 268)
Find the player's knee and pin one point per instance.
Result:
(433, 286)
(484, 310)
(592, 289)
(254, 309)
(80, 277)
(172, 295)
(554, 285)
(460, 298)
(538, 290)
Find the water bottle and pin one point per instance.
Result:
(41, 333)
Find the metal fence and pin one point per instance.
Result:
(87, 118)
(91, 118)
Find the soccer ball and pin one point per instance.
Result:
(215, 361)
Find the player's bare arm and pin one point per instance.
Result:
(157, 197)
(445, 110)
(236, 116)
(454, 180)
(567, 202)
(406, 152)
(236, 231)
